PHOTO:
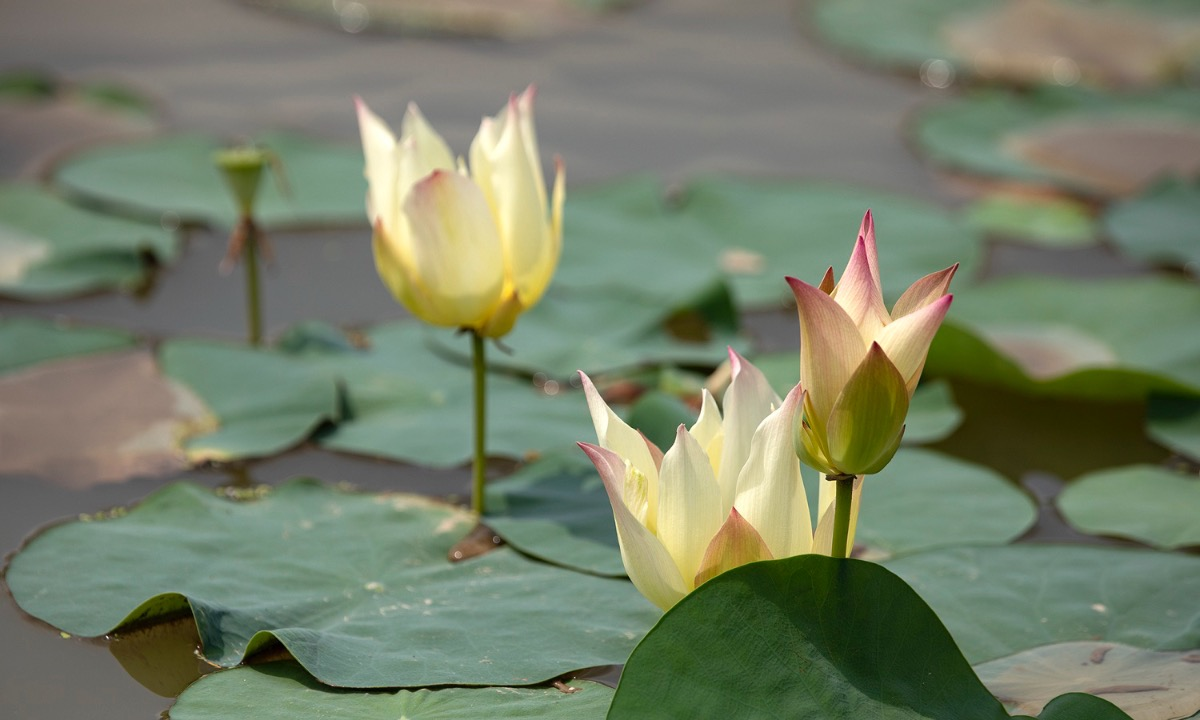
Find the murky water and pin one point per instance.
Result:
(674, 87)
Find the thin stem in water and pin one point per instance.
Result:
(253, 299)
(479, 466)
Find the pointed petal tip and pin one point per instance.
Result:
(736, 361)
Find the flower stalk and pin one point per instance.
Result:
(253, 293)
(242, 169)
(479, 457)
(842, 503)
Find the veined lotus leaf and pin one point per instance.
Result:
(357, 587)
(998, 601)
(397, 398)
(1146, 684)
(283, 691)
(752, 233)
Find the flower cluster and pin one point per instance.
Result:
(728, 491)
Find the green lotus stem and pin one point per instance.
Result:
(841, 515)
(479, 466)
(253, 299)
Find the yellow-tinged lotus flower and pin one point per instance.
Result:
(859, 364)
(726, 493)
(470, 249)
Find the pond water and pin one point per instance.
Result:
(670, 87)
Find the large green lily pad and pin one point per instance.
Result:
(408, 403)
(997, 601)
(1116, 339)
(630, 238)
(808, 636)
(27, 341)
(398, 399)
(567, 332)
(357, 587)
(1116, 42)
(51, 249)
(1161, 226)
(1146, 684)
(917, 502)
(1084, 142)
(1175, 422)
(1053, 222)
(1157, 506)
(556, 509)
(174, 177)
(261, 402)
(283, 691)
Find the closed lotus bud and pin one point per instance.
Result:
(468, 248)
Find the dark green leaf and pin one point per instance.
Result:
(807, 636)
(1080, 706)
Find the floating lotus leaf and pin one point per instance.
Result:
(998, 601)
(173, 178)
(630, 238)
(807, 636)
(1116, 339)
(283, 691)
(261, 402)
(1161, 226)
(397, 399)
(917, 501)
(1082, 142)
(566, 333)
(556, 509)
(1118, 42)
(1175, 422)
(1053, 222)
(1151, 504)
(52, 249)
(356, 587)
(1146, 684)
(26, 341)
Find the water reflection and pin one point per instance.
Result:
(163, 657)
